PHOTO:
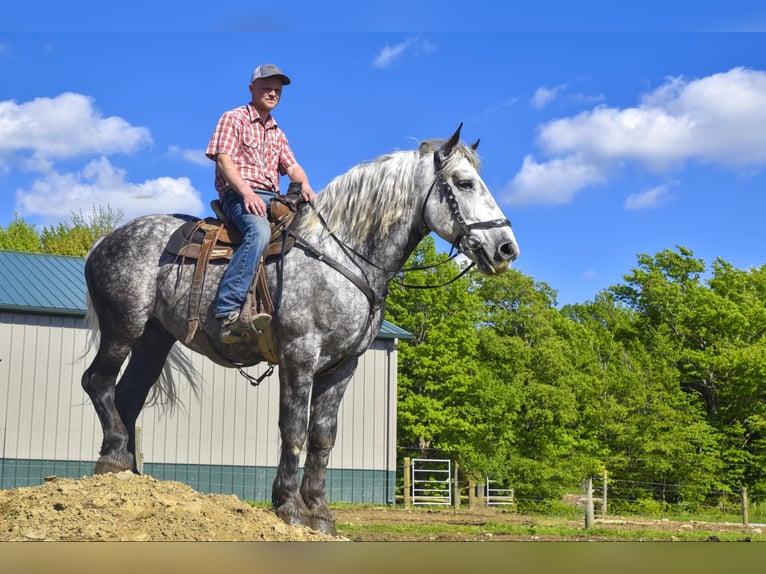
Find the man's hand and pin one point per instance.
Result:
(253, 203)
(306, 191)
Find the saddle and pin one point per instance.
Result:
(216, 238)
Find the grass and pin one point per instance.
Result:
(539, 527)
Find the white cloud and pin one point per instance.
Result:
(55, 196)
(389, 54)
(544, 96)
(551, 183)
(66, 126)
(651, 198)
(719, 119)
(195, 156)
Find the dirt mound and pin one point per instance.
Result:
(129, 507)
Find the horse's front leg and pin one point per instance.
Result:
(293, 409)
(323, 426)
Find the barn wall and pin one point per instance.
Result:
(227, 440)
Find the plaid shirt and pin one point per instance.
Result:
(260, 152)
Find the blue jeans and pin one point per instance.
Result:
(255, 238)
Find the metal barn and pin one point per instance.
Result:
(227, 441)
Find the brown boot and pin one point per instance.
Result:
(231, 329)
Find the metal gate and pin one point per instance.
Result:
(497, 495)
(431, 481)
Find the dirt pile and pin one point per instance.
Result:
(129, 507)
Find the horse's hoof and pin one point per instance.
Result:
(107, 465)
(292, 519)
(324, 525)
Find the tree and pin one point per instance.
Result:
(437, 370)
(710, 337)
(77, 238)
(529, 349)
(20, 236)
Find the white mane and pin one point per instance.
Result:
(365, 201)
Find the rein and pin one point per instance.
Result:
(464, 240)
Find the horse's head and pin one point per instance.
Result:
(460, 209)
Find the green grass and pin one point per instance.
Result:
(537, 526)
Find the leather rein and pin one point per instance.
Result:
(465, 240)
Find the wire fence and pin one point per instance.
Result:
(612, 495)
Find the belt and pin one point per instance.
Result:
(255, 189)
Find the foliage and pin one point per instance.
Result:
(20, 236)
(78, 237)
(660, 379)
(74, 238)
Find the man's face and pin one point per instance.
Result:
(266, 93)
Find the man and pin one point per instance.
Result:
(250, 152)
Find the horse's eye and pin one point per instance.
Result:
(465, 183)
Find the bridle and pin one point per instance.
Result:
(464, 240)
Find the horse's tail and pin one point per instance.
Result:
(164, 392)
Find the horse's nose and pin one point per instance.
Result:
(508, 251)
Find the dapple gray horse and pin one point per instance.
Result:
(331, 290)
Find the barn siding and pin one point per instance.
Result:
(225, 441)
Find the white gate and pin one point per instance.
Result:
(496, 495)
(431, 481)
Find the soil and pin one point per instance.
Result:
(129, 507)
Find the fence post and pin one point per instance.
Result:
(139, 451)
(456, 491)
(589, 503)
(471, 494)
(407, 486)
(745, 518)
(603, 496)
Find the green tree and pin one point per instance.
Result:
(437, 371)
(710, 340)
(530, 350)
(20, 236)
(78, 237)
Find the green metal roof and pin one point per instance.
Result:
(391, 331)
(55, 285)
(42, 283)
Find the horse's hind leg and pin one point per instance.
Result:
(99, 383)
(118, 406)
(147, 360)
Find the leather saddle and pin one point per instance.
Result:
(216, 238)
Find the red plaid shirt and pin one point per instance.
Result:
(260, 151)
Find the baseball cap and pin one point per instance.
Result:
(267, 71)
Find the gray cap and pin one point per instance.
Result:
(268, 71)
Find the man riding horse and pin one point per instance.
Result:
(250, 153)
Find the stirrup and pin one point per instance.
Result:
(260, 322)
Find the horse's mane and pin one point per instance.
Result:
(366, 200)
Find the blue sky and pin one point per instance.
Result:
(604, 132)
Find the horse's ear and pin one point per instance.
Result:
(475, 144)
(451, 142)
(446, 149)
